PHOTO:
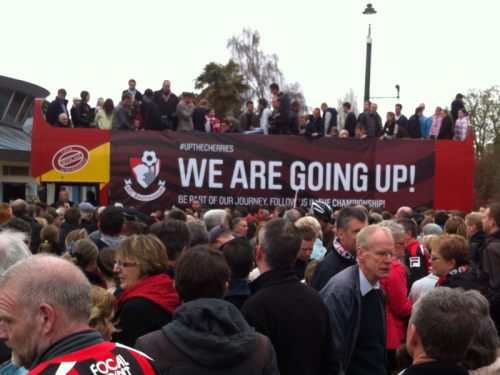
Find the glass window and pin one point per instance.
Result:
(14, 107)
(22, 114)
(5, 95)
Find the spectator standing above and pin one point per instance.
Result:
(442, 327)
(72, 111)
(294, 118)
(447, 129)
(212, 125)
(248, 121)
(62, 121)
(136, 115)
(372, 121)
(121, 117)
(53, 303)
(319, 125)
(450, 262)
(148, 300)
(392, 130)
(366, 108)
(462, 125)
(185, 112)
(437, 119)
(98, 107)
(401, 119)
(280, 301)
(136, 95)
(58, 106)
(104, 117)
(474, 225)
(342, 253)
(264, 114)
(357, 304)
(151, 112)
(207, 335)
(20, 210)
(456, 106)
(489, 249)
(284, 109)
(329, 118)
(84, 116)
(423, 119)
(350, 120)
(227, 126)
(414, 124)
(167, 102)
(199, 114)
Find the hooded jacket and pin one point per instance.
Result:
(470, 280)
(489, 253)
(474, 242)
(209, 336)
(66, 228)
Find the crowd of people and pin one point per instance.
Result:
(162, 110)
(187, 290)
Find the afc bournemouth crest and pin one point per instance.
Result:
(145, 171)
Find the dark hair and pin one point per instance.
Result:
(386, 215)
(131, 80)
(274, 86)
(105, 263)
(50, 219)
(18, 225)
(187, 95)
(201, 272)
(239, 256)
(62, 91)
(254, 208)
(409, 225)
(367, 101)
(108, 107)
(347, 105)
(347, 213)
(60, 203)
(42, 205)
(418, 110)
(174, 234)
(360, 127)
(208, 110)
(464, 111)
(400, 106)
(242, 209)
(280, 240)
(441, 218)
(376, 210)
(132, 228)
(126, 95)
(459, 97)
(249, 102)
(264, 102)
(156, 208)
(111, 221)
(72, 215)
(393, 117)
(176, 215)
(495, 212)
(148, 93)
(84, 95)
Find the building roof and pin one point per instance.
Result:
(24, 87)
(15, 144)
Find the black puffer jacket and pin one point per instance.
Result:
(84, 115)
(209, 336)
(470, 280)
(474, 242)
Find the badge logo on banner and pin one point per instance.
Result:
(145, 171)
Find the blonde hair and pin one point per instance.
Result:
(83, 253)
(100, 102)
(75, 235)
(103, 305)
(147, 251)
(429, 240)
(455, 225)
(309, 221)
(308, 275)
(42, 221)
(341, 135)
(48, 235)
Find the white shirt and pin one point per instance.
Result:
(421, 286)
(264, 120)
(364, 284)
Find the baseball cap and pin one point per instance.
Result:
(86, 207)
(216, 232)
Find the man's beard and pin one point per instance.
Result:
(25, 355)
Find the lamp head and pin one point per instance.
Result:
(369, 9)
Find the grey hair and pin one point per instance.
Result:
(213, 218)
(347, 213)
(446, 321)
(61, 115)
(378, 218)
(280, 241)
(396, 230)
(12, 249)
(199, 234)
(292, 215)
(363, 238)
(62, 210)
(49, 279)
(483, 351)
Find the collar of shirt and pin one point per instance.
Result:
(364, 284)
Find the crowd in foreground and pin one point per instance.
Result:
(243, 290)
(162, 110)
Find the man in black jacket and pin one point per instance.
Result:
(414, 124)
(318, 122)
(372, 121)
(294, 118)
(350, 119)
(84, 117)
(72, 220)
(329, 117)
(401, 119)
(21, 211)
(167, 102)
(284, 109)
(57, 107)
(199, 114)
(342, 253)
(151, 112)
(474, 225)
(290, 313)
(132, 90)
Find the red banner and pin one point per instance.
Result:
(233, 169)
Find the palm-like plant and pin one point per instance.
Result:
(222, 86)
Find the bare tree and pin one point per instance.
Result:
(260, 69)
(352, 98)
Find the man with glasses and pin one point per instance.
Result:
(357, 304)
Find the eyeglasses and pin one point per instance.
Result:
(434, 258)
(121, 264)
(384, 254)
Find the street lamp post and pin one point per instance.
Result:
(369, 10)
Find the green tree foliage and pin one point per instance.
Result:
(222, 86)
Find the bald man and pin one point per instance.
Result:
(51, 299)
(404, 213)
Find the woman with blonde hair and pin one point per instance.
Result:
(50, 240)
(344, 134)
(456, 225)
(102, 312)
(75, 235)
(83, 254)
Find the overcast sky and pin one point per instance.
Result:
(432, 49)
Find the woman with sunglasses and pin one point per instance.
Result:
(148, 300)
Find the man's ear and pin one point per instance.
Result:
(184, 249)
(260, 255)
(414, 336)
(225, 290)
(46, 318)
(360, 254)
